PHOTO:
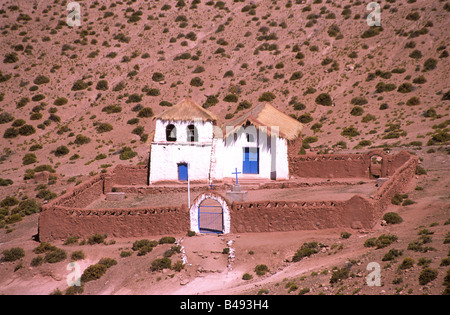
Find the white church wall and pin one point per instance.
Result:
(272, 155)
(165, 156)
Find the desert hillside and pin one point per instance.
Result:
(76, 101)
(74, 97)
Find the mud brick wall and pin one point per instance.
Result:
(270, 216)
(61, 222)
(397, 183)
(124, 175)
(82, 195)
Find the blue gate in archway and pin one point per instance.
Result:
(210, 217)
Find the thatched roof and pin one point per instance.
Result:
(265, 115)
(187, 110)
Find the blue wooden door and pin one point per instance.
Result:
(251, 161)
(182, 172)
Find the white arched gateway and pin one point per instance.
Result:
(210, 214)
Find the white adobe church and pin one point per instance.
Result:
(189, 143)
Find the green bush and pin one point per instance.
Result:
(160, 264)
(391, 254)
(427, 275)
(157, 77)
(306, 250)
(127, 153)
(398, 199)
(324, 99)
(13, 254)
(80, 139)
(357, 111)
(102, 85)
(78, 255)
(27, 130)
(167, 240)
(350, 132)
(247, 276)
(267, 97)
(79, 85)
(144, 246)
(107, 262)
(339, 275)
(96, 239)
(41, 79)
(145, 112)
(9, 201)
(59, 101)
(11, 133)
(261, 270)
(6, 118)
(405, 88)
(29, 158)
(359, 101)
(61, 151)
(407, 263)
(392, 218)
(55, 256)
(429, 64)
(93, 272)
(104, 127)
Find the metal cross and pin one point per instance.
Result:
(236, 172)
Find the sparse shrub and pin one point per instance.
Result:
(78, 255)
(13, 254)
(420, 170)
(27, 130)
(93, 272)
(9, 201)
(158, 77)
(407, 263)
(29, 158)
(350, 132)
(359, 101)
(267, 97)
(127, 153)
(41, 79)
(247, 276)
(81, 139)
(6, 118)
(427, 275)
(306, 250)
(146, 112)
(144, 246)
(357, 111)
(392, 218)
(405, 88)
(324, 99)
(55, 256)
(79, 85)
(391, 254)
(60, 101)
(102, 85)
(104, 127)
(96, 239)
(167, 240)
(160, 264)
(429, 64)
(61, 151)
(339, 275)
(261, 270)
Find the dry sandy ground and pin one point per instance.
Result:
(209, 271)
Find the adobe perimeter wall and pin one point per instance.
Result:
(67, 215)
